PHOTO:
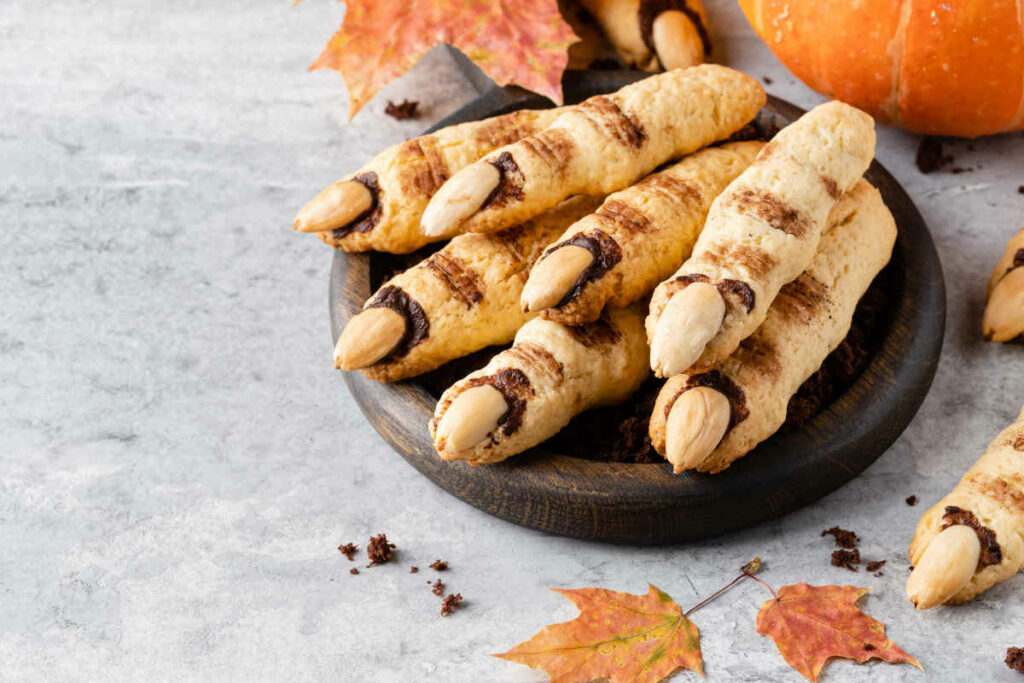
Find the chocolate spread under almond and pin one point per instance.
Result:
(365, 221)
(649, 11)
(417, 327)
(738, 411)
(991, 553)
(606, 253)
(739, 290)
(510, 183)
(514, 386)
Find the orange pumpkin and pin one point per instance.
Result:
(941, 67)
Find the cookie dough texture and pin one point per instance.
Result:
(993, 491)
(469, 291)
(561, 372)
(621, 21)
(809, 318)
(609, 142)
(647, 230)
(408, 174)
(763, 231)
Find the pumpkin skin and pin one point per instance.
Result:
(940, 67)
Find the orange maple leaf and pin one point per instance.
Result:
(810, 624)
(617, 636)
(524, 42)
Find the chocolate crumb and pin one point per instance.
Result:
(413, 569)
(450, 603)
(869, 647)
(847, 559)
(1015, 658)
(875, 565)
(844, 538)
(439, 565)
(911, 501)
(879, 574)
(353, 571)
(1020, 190)
(767, 80)
(348, 550)
(403, 111)
(438, 588)
(379, 550)
(930, 155)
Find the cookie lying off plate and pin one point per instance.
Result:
(973, 538)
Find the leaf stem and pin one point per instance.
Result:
(746, 571)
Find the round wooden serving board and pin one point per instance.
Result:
(646, 503)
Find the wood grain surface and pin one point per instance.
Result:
(646, 503)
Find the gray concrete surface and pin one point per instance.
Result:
(178, 460)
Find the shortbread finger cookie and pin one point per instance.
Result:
(1004, 310)
(459, 300)
(529, 392)
(637, 238)
(761, 233)
(706, 421)
(601, 145)
(654, 35)
(379, 206)
(973, 538)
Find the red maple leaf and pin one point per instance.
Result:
(810, 624)
(524, 42)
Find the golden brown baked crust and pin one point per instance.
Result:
(808, 319)
(404, 177)
(990, 499)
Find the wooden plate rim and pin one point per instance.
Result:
(648, 504)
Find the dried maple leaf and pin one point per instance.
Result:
(524, 42)
(810, 624)
(617, 636)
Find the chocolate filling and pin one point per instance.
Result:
(1018, 259)
(369, 218)
(417, 327)
(1018, 445)
(991, 553)
(514, 386)
(714, 379)
(739, 289)
(649, 11)
(727, 287)
(606, 253)
(510, 185)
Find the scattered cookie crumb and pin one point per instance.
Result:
(847, 559)
(438, 588)
(874, 566)
(403, 111)
(348, 550)
(450, 603)
(911, 501)
(353, 571)
(379, 550)
(439, 565)
(1020, 190)
(930, 156)
(767, 80)
(413, 569)
(1015, 658)
(844, 538)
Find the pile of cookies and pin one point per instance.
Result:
(608, 240)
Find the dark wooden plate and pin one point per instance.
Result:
(646, 503)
